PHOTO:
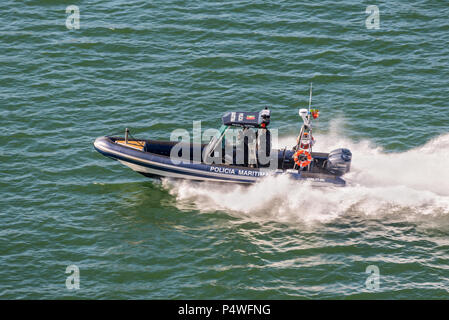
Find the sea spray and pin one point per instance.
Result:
(414, 182)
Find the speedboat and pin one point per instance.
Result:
(239, 152)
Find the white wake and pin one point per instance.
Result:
(415, 182)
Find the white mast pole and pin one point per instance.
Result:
(310, 98)
(310, 125)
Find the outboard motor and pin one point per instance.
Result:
(339, 161)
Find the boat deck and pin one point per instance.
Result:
(135, 144)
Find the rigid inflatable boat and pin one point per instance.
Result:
(225, 159)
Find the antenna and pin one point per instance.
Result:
(310, 98)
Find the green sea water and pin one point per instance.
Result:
(155, 66)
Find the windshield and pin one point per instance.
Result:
(214, 142)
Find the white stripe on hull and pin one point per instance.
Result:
(162, 173)
(101, 146)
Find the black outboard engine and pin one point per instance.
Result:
(339, 161)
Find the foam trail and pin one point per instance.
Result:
(415, 183)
